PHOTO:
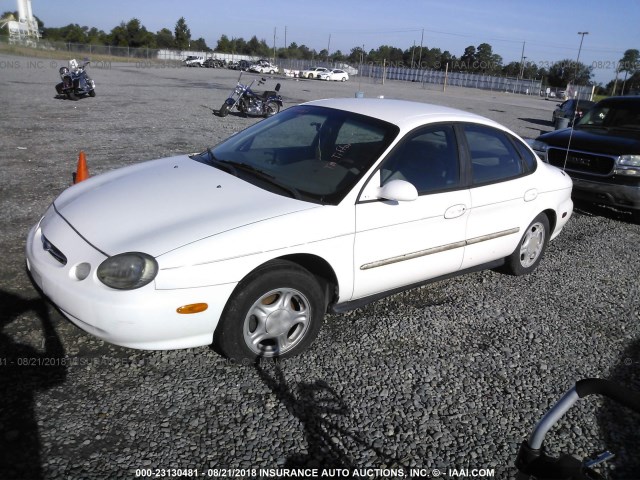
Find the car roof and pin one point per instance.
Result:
(404, 113)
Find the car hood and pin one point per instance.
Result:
(158, 206)
(596, 140)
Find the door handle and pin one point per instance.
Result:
(455, 211)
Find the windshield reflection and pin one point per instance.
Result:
(313, 153)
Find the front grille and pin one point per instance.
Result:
(581, 161)
(53, 251)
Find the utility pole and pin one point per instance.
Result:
(420, 56)
(274, 43)
(285, 37)
(328, 47)
(522, 57)
(413, 50)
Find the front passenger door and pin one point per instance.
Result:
(399, 243)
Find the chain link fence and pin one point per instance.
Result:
(372, 72)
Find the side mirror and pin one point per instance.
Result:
(398, 190)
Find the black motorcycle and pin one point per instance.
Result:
(75, 81)
(247, 102)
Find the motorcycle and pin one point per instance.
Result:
(75, 81)
(247, 102)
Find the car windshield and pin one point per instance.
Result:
(613, 115)
(313, 153)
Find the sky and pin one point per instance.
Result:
(548, 30)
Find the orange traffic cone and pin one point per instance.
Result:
(82, 173)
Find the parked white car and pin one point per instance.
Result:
(336, 75)
(264, 66)
(326, 206)
(313, 72)
(193, 61)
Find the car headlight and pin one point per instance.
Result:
(128, 271)
(539, 146)
(628, 165)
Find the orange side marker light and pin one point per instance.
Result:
(192, 308)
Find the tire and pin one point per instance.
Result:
(92, 93)
(530, 250)
(271, 108)
(635, 217)
(272, 72)
(71, 95)
(310, 76)
(343, 79)
(281, 296)
(224, 110)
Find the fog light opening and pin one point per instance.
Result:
(192, 308)
(81, 271)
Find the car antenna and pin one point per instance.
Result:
(573, 121)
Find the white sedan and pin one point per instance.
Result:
(336, 75)
(313, 72)
(323, 207)
(264, 67)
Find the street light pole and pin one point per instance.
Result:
(575, 75)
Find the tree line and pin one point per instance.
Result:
(475, 59)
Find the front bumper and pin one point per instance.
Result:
(145, 318)
(621, 196)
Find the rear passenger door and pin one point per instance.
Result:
(503, 195)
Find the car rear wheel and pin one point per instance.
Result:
(530, 250)
(276, 311)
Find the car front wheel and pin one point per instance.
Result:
(530, 250)
(276, 311)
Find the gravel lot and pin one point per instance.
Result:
(450, 376)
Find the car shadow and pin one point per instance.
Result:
(619, 426)
(318, 408)
(596, 210)
(539, 122)
(25, 371)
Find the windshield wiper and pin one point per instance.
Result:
(245, 167)
(228, 167)
(590, 125)
(632, 128)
